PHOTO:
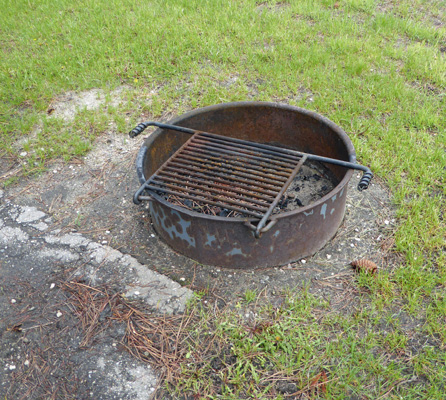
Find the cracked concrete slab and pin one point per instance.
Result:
(32, 257)
(29, 214)
(10, 235)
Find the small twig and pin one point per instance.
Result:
(394, 386)
(312, 386)
(341, 274)
(37, 326)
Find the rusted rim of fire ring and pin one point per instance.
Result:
(341, 185)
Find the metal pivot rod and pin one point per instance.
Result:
(363, 183)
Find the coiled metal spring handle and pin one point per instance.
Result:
(365, 180)
(138, 129)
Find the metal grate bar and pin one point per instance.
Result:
(212, 188)
(229, 166)
(287, 153)
(241, 184)
(210, 196)
(207, 201)
(217, 157)
(264, 219)
(226, 172)
(196, 172)
(200, 183)
(239, 153)
(274, 153)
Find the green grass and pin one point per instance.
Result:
(378, 70)
(303, 348)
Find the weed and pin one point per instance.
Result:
(250, 296)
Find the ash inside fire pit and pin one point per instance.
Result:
(312, 182)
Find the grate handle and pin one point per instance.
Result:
(138, 196)
(138, 129)
(365, 180)
(143, 125)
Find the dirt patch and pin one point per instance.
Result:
(278, 7)
(67, 105)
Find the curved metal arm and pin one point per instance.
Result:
(137, 196)
(366, 177)
(258, 230)
(143, 125)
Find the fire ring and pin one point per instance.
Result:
(249, 139)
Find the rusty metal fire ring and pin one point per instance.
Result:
(235, 241)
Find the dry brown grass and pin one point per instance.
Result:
(162, 340)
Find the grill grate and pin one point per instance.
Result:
(229, 173)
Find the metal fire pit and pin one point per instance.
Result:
(257, 148)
